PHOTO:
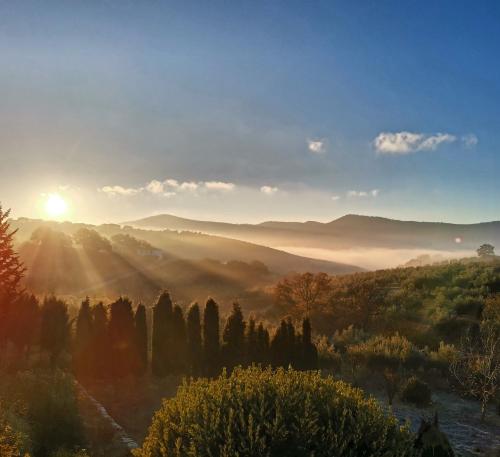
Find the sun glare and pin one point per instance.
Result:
(55, 206)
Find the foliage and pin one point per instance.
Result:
(233, 339)
(486, 250)
(283, 413)
(194, 341)
(162, 332)
(54, 328)
(416, 392)
(141, 335)
(328, 357)
(211, 343)
(431, 441)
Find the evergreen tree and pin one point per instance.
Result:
(279, 349)
(83, 339)
(251, 343)
(194, 340)
(309, 351)
(263, 351)
(141, 335)
(162, 327)
(233, 338)
(54, 328)
(291, 345)
(11, 273)
(178, 348)
(122, 338)
(24, 322)
(100, 345)
(211, 345)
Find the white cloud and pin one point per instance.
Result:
(119, 190)
(155, 187)
(335, 197)
(188, 186)
(363, 193)
(171, 183)
(470, 140)
(316, 146)
(268, 190)
(400, 143)
(219, 185)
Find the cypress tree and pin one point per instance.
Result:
(162, 318)
(309, 351)
(211, 345)
(263, 351)
(122, 338)
(141, 334)
(291, 346)
(251, 343)
(83, 339)
(279, 350)
(178, 349)
(54, 328)
(194, 340)
(233, 338)
(100, 342)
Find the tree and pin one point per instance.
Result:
(141, 335)
(485, 251)
(251, 343)
(309, 351)
(178, 345)
(23, 322)
(54, 328)
(263, 356)
(301, 293)
(211, 344)
(83, 339)
(162, 327)
(11, 272)
(90, 240)
(122, 338)
(100, 341)
(477, 364)
(255, 412)
(233, 338)
(194, 340)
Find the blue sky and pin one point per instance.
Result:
(247, 111)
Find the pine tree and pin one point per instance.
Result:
(309, 351)
(233, 338)
(162, 328)
(54, 328)
(178, 348)
(83, 339)
(122, 340)
(141, 335)
(194, 340)
(291, 345)
(11, 273)
(24, 322)
(211, 345)
(279, 349)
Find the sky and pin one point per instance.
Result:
(249, 111)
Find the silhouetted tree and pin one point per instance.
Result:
(178, 348)
(141, 334)
(24, 322)
(100, 341)
(122, 339)
(11, 272)
(194, 340)
(211, 345)
(83, 339)
(309, 351)
(233, 338)
(486, 250)
(54, 328)
(162, 328)
(90, 240)
(263, 355)
(279, 350)
(251, 343)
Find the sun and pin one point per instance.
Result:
(55, 206)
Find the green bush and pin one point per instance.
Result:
(416, 392)
(255, 412)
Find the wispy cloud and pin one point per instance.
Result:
(119, 190)
(335, 197)
(268, 190)
(401, 143)
(470, 140)
(363, 193)
(220, 185)
(316, 146)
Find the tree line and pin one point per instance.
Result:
(116, 342)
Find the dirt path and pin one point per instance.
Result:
(106, 438)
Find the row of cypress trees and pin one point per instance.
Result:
(191, 344)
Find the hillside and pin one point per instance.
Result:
(343, 233)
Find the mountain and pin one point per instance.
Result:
(346, 232)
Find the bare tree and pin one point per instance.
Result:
(477, 365)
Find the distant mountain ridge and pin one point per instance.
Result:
(345, 232)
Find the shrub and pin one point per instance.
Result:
(416, 392)
(273, 413)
